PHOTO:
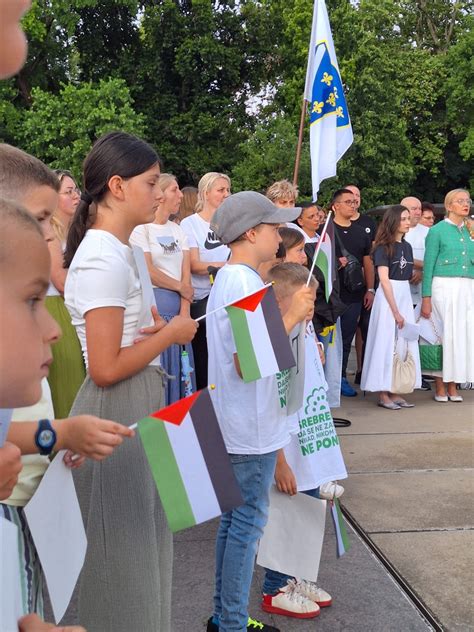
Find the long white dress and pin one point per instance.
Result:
(383, 333)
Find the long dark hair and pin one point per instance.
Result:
(115, 153)
(388, 228)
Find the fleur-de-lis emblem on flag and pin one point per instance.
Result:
(331, 99)
(340, 111)
(318, 107)
(327, 78)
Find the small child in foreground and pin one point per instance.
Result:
(252, 423)
(283, 594)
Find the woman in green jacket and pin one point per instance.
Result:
(448, 292)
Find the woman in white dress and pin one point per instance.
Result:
(392, 308)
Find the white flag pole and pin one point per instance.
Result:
(318, 246)
(231, 303)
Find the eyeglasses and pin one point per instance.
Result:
(71, 192)
(462, 202)
(350, 202)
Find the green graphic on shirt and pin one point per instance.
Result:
(283, 383)
(317, 429)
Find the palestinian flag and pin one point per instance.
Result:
(342, 539)
(326, 257)
(263, 346)
(189, 461)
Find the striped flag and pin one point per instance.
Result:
(189, 461)
(263, 346)
(326, 257)
(342, 539)
(330, 125)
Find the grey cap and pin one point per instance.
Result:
(247, 209)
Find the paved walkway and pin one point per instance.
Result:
(411, 490)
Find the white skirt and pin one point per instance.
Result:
(378, 359)
(452, 302)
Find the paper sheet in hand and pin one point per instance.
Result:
(410, 331)
(293, 538)
(55, 522)
(10, 586)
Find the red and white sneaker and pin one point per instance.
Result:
(311, 591)
(290, 603)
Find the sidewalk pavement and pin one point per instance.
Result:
(365, 598)
(410, 487)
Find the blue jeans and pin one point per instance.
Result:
(237, 539)
(274, 580)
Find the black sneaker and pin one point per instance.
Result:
(425, 386)
(252, 626)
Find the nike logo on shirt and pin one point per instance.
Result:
(212, 241)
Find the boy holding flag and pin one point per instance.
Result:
(306, 464)
(253, 425)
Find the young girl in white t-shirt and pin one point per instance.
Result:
(167, 256)
(126, 579)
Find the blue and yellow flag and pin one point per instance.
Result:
(330, 125)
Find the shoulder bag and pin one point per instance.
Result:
(353, 277)
(431, 355)
(403, 371)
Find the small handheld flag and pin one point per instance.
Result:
(325, 256)
(342, 539)
(263, 346)
(189, 461)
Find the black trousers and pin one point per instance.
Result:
(198, 308)
(349, 321)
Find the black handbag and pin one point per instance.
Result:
(353, 277)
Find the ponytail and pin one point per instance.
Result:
(81, 222)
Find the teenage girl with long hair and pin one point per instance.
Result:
(392, 308)
(127, 575)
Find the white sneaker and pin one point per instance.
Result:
(313, 592)
(291, 603)
(331, 490)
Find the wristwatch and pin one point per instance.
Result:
(45, 437)
(371, 290)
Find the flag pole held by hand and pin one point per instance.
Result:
(318, 246)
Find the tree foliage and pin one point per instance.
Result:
(218, 86)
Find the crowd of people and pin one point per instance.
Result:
(84, 354)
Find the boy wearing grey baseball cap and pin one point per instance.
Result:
(253, 424)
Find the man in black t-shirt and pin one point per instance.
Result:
(367, 223)
(370, 227)
(353, 240)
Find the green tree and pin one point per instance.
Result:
(269, 155)
(61, 128)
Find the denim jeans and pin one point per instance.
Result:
(273, 579)
(237, 539)
(349, 321)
